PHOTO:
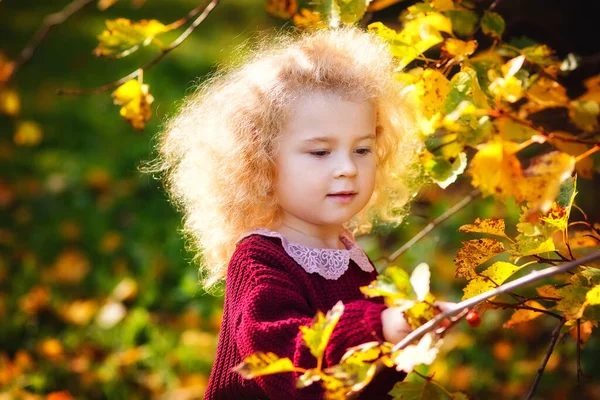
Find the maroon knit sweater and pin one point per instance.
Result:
(267, 297)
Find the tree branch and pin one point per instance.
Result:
(538, 376)
(50, 21)
(533, 276)
(164, 52)
(524, 307)
(451, 211)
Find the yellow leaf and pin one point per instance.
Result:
(420, 312)
(592, 297)
(548, 93)
(459, 49)
(524, 315)
(512, 130)
(543, 178)
(492, 277)
(557, 216)
(366, 352)
(28, 133)
(492, 226)
(284, 9)
(10, 102)
(443, 5)
(431, 92)
(584, 166)
(474, 253)
(593, 89)
(259, 364)
(316, 336)
(584, 114)
(123, 36)
(135, 99)
(496, 170)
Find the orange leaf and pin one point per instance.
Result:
(524, 315)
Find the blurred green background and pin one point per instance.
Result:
(98, 298)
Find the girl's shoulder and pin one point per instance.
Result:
(258, 247)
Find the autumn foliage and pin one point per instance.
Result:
(115, 316)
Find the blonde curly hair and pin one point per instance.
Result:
(216, 154)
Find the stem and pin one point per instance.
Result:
(538, 376)
(451, 211)
(587, 153)
(164, 52)
(50, 21)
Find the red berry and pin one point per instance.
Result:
(473, 318)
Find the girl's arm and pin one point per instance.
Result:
(270, 315)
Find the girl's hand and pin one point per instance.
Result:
(394, 325)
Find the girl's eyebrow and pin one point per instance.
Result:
(328, 139)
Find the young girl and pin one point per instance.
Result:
(277, 162)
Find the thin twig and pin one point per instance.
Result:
(538, 376)
(533, 276)
(164, 52)
(50, 21)
(451, 211)
(524, 307)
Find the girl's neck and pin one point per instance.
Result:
(313, 236)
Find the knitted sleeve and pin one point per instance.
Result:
(269, 315)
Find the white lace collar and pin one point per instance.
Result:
(329, 263)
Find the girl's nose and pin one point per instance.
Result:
(345, 166)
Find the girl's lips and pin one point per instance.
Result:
(342, 198)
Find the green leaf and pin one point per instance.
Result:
(492, 24)
(352, 11)
(495, 275)
(317, 335)
(531, 246)
(463, 21)
(539, 54)
(259, 364)
(415, 391)
(464, 86)
(442, 170)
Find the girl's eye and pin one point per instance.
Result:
(320, 153)
(364, 151)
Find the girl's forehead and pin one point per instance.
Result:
(323, 114)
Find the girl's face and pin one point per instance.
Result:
(326, 161)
